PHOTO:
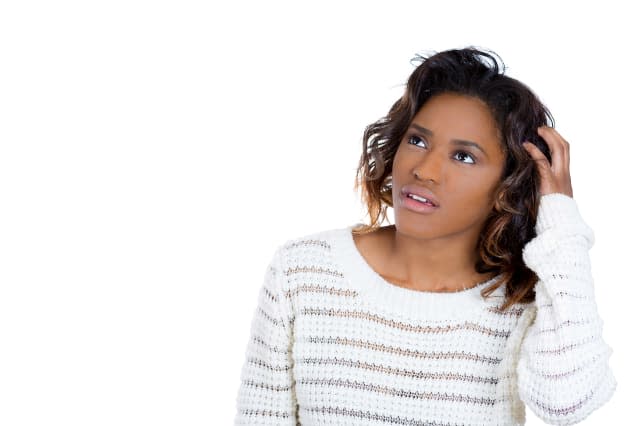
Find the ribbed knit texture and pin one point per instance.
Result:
(332, 342)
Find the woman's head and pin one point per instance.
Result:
(452, 155)
(490, 190)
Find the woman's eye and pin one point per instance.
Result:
(413, 138)
(467, 155)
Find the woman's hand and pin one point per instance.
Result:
(554, 178)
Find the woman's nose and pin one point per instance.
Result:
(429, 168)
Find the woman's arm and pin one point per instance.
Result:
(266, 395)
(563, 369)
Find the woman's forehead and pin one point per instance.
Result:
(459, 117)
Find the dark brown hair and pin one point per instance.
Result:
(518, 113)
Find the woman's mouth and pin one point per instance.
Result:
(419, 193)
(417, 204)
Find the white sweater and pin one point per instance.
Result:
(332, 342)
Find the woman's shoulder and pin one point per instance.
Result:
(319, 240)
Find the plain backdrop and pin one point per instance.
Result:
(155, 153)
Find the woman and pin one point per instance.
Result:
(477, 301)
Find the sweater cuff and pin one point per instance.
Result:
(557, 210)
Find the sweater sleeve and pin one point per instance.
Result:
(267, 395)
(563, 366)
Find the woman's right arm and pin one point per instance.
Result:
(267, 395)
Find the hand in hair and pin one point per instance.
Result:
(555, 177)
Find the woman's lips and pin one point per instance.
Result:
(420, 191)
(416, 206)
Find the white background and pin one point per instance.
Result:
(154, 154)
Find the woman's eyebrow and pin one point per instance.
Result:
(453, 141)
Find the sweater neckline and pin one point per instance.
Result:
(401, 301)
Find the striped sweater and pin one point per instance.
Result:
(333, 342)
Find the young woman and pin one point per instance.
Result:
(477, 301)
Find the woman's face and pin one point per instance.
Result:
(461, 176)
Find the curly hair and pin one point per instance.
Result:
(517, 112)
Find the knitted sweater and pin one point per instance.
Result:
(333, 342)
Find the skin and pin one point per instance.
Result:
(556, 178)
(437, 251)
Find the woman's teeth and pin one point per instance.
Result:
(418, 198)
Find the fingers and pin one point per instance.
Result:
(538, 156)
(558, 146)
(555, 177)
